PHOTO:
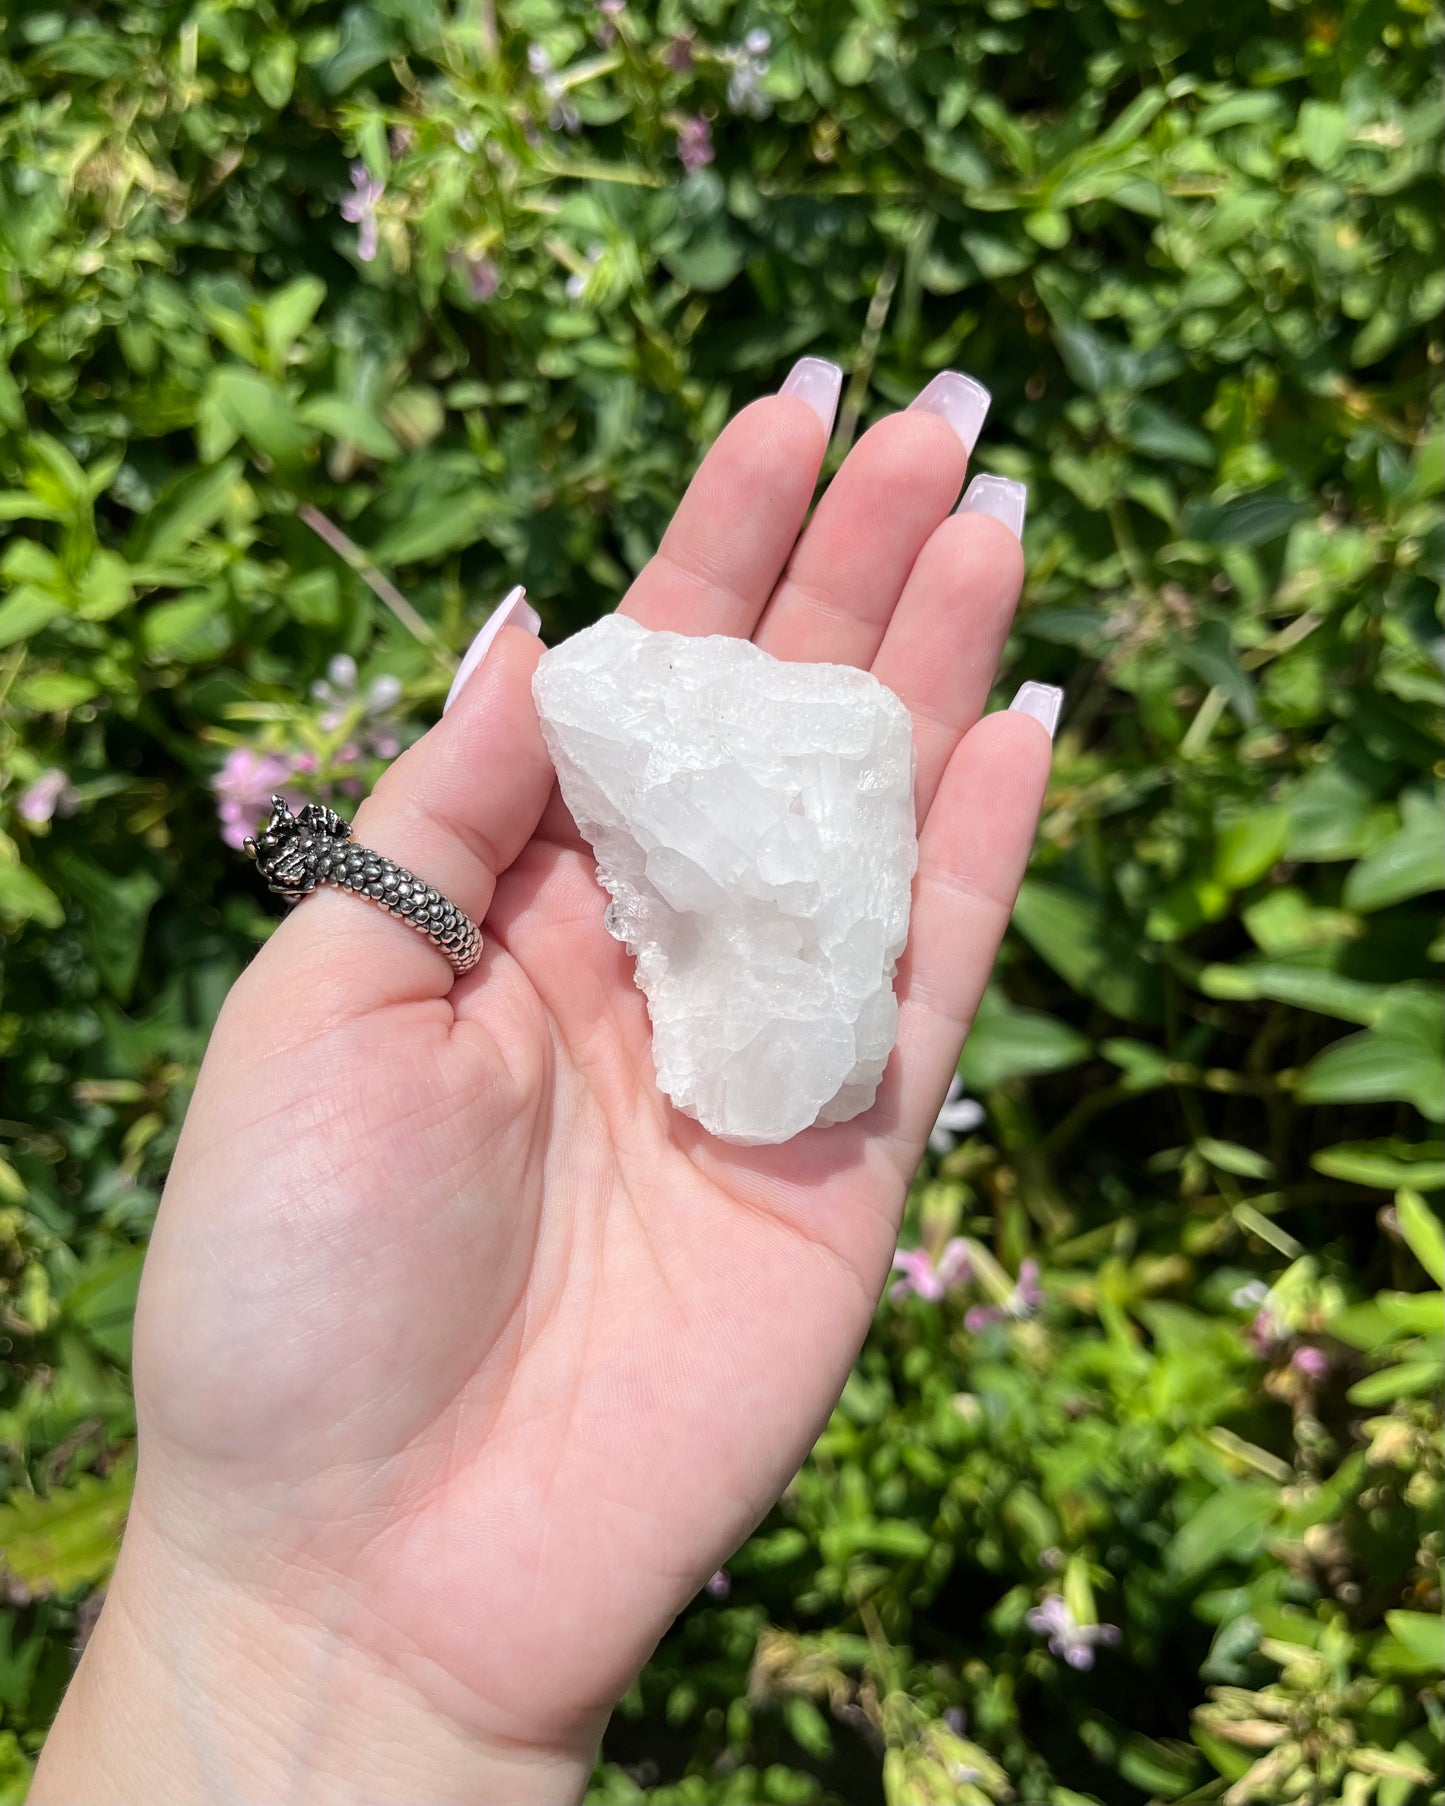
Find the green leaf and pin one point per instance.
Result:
(1229, 1525)
(23, 614)
(1009, 1042)
(274, 72)
(104, 589)
(264, 417)
(1145, 1067)
(102, 1303)
(1407, 1380)
(352, 424)
(1409, 864)
(708, 261)
(1403, 1058)
(289, 312)
(1422, 1229)
(20, 504)
(116, 906)
(1249, 520)
(1151, 428)
(25, 897)
(1090, 945)
(1250, 845)
(808, 1726)
(1323, 133)
(1306, 987)
(1388, 1319)
(69, 1537)
(45, 692)
(1384, 1165)
(1212, 655)
(368, 38)
(1088, 357)
(443, 526)
(1422, 1633)
(184, 511)
(1372, 1068)
(1230, 1157)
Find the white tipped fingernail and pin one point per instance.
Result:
(961, 401)
(819, 383)
(1001, 497)
(1043, 702)
(513, 610)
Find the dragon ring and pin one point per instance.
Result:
(295, 853)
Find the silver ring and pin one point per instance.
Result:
(295, 853)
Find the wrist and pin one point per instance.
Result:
(192, 1690)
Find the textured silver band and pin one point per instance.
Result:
(295, 853)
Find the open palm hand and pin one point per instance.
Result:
(460, 1352)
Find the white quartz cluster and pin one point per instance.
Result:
(753, 824)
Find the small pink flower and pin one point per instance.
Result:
(1068, 1638)
(51, 794)
(1024, 1301)
(1264, 1333)
(1313, 1363)
(562, 115)
(483, 278)
(244, 786)
(694, 143)
(678, 54)
(359, 209)
(923, 1279)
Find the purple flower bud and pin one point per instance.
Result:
(1069, 1639)
(51, 794)
(483, 278)
(359, 209)
(694, 143)
(1029, 1293)
(720, 1585)
(1313, 1363)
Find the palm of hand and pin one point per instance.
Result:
(490, 1354)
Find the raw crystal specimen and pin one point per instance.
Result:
(753, 824)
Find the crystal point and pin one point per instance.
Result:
(752, 822)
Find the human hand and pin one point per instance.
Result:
(462, 1359)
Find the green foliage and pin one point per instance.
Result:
(1196, 253)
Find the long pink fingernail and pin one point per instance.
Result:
(1043, 702)
(513, 610)
(819, 383)
(961, 401)
(1002, 497)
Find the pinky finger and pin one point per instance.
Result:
(972, 854)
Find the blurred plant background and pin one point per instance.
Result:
(1136, 1492)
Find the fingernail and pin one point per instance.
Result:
(819, 383)
(1001, 497)
(513, 610)
(1042, 701)
(961, 401)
